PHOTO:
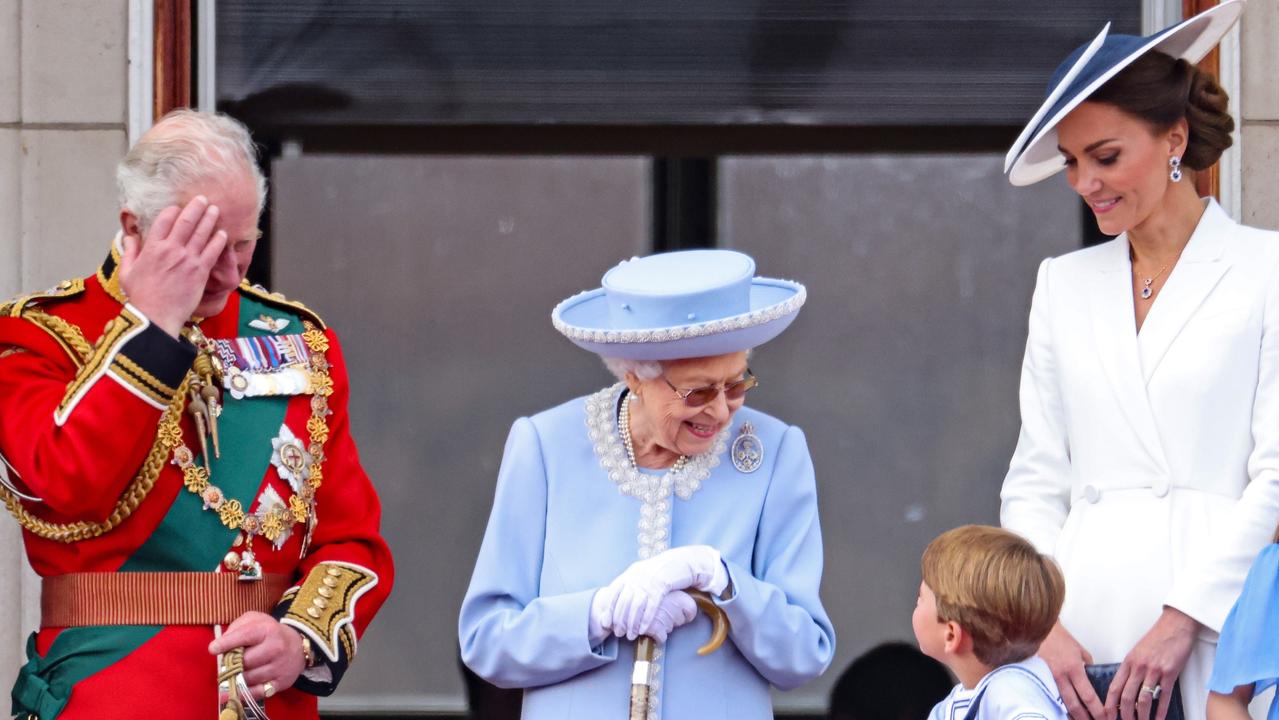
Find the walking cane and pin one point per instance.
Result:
(645, 647)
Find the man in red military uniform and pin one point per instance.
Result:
(175, 444)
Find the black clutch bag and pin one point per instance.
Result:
(1101, 675)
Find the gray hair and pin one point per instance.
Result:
(184, 147)
(643, 369)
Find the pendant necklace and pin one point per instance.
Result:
(1146, 290)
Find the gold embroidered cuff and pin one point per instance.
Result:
(324, 606)
(142, 381)
(153, 363)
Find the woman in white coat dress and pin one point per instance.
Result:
(1148, 459)
(610, 506)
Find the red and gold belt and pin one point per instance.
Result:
(154, 598)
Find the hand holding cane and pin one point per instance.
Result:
(645, 648)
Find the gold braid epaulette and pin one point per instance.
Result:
(168, 435)
(67, 335)
(27, 307)
(65, 289)
(266, 297)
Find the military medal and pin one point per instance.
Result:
(267, 366)
(292, 462)
(231, 364)
(747, 451)
(276, 516)
(262, 354)
(268, 323)
(291, 457)
(237, 382)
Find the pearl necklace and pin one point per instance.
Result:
(609, 429)
(624, 427)
(655, 492)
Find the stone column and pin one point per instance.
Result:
(63, 116)
(1259, 113)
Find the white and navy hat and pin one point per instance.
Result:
(693, 303)
(1034, 156)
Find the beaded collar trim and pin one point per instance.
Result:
(653, 491)
(679, 332)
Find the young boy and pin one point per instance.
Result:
(986, 603)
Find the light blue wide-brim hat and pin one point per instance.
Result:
(687, 304)
(1034, 156)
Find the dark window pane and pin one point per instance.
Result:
(826, 62)
(903, 366)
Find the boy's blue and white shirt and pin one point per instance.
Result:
(1018, 691)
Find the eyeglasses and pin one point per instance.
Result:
(698, 397)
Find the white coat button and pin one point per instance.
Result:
(1092, 494)
(1160, 488)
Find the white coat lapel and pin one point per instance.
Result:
(1201, 266)
(1115, 333)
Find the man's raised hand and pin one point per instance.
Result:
(165, 276)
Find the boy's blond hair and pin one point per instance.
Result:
(997, 587)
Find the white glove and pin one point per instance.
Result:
(601, 620)
(676, 609)
(641, 588)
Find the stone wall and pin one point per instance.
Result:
(63, 114)
(1259, 104)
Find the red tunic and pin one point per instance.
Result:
(84, 382)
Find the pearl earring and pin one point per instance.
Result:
(1174, 162)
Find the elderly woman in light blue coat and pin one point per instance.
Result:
(610, 506)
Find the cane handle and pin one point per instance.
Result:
(719, 621)
(646, 649)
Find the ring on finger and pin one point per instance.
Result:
(268, 689)
(1154, 691)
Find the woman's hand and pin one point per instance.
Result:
(1155, 662)
(635, 595)
(272, 652)
(1066, 658)
(676, 609)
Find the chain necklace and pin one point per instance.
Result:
(624, 426)
(1146, 290)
